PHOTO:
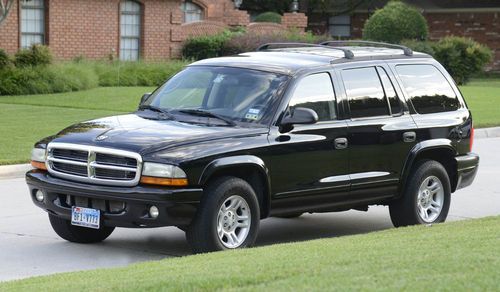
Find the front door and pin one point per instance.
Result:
(309, 163)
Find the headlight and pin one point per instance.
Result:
(163, 174)
(38, 156)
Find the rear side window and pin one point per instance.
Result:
(316, 92)
(428, 89)
(365, 93)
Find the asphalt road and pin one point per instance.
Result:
(29, 247)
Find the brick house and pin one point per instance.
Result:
(128, 29)
(479, 20)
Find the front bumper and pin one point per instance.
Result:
(467, 166)
(120, 206)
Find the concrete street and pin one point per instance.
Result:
(29, 247)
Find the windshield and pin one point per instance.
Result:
(240, 95)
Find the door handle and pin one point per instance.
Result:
(409, 137)
(341, 143)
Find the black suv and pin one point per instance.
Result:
(288, 129)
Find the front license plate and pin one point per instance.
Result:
(85, 217)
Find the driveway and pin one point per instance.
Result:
(29, 247)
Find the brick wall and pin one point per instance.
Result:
(9, 31)
(294, 20)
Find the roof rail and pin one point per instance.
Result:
(347, 53)
(407, 51)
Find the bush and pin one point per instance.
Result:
(203, 47)
(46, 79)
(420, 46)
(136, 73)
(395, 22)
(251, 41)
(4, 60)
(462, 57)
(36, 55)
(268, 17)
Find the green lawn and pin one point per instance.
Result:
(26, 119)
(483, 98)
(458, 256)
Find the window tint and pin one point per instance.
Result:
(390, 93)
(365, 93)
(316, 92)
(429, 91)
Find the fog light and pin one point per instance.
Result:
(154, 212)
(39, 196)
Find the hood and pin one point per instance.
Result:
(138, 134)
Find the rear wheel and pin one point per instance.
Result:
(77, 234)
(228, 217)
(426, 198)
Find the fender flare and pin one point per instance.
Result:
(418, 149)
(238, 161)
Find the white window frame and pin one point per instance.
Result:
(340, 21)
(125, 54)
(26, 6)
(190, 9)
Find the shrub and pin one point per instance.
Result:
(395, 22)
(4, 60)
(36, 55)
(268, 17)
(136, 73)
(462, 57)
(203, 47)
(251, 41)
(420, 46)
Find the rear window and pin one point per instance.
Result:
(428, 89)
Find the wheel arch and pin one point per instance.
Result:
(440, 150)
(250, 168)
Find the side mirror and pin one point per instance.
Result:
(144, 97)
(299, 115)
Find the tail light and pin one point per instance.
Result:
(471, 138)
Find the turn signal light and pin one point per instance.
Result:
(38, 165)
(162, 181)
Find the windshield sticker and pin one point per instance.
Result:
(219, 78)
(253, 114)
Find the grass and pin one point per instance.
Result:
(458, 256)
(27, 118)
(483, 98)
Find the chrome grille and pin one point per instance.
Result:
(91, 164)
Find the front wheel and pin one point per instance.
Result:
(78, 234)
(426, 198)
(228, 217)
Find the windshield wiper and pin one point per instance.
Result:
(209, 114)
(157, 109)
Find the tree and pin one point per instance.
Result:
(5, 6)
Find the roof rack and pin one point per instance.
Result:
(407, 51)
(347, 53)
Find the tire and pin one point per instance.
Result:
(214, 225)
(77, 234)
(426, 198)
(290, 216)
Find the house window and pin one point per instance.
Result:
(130, 30)
(192, 12)
(32, 23)
(340, 26)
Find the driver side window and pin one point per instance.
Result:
(316, 92)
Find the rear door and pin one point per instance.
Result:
(381, 131)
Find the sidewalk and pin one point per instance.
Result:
(18, 170)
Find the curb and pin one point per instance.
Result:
(487, 133)
(14, 171)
